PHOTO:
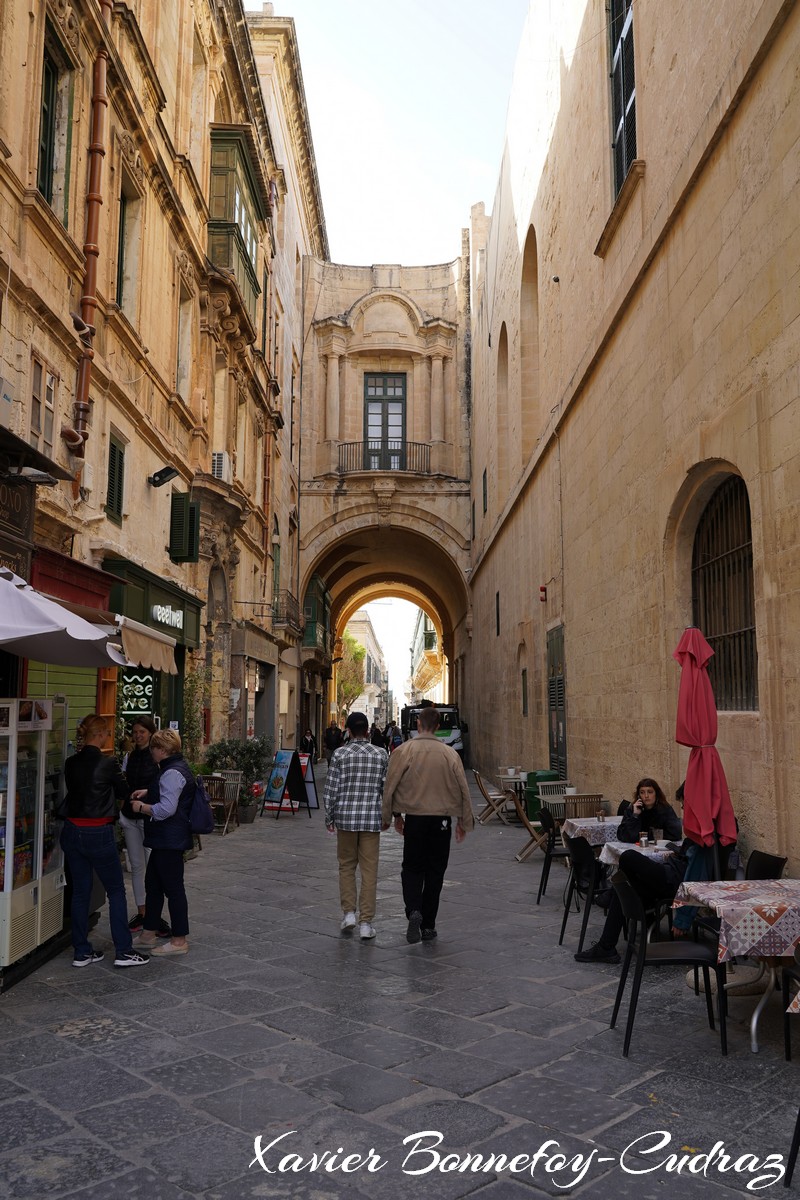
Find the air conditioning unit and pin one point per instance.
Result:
(221, 466)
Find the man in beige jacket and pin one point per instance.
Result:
(425, 789)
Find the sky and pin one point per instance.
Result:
(393, 621)
(407, 101)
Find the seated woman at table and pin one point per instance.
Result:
(648, 811)
(653, 881)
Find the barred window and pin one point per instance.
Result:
(623, 89)
(722, 595)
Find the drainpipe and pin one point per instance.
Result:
(91, 248)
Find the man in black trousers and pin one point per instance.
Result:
(425, 789)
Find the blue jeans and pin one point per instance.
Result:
(88, 849)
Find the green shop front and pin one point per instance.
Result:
(169, 613)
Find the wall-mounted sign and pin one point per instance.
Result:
(165, 614)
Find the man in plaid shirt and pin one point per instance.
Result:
(352, 799)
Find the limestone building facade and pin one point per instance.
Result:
(635, 436)
(156, 196)
(385, 456)
(374, 699)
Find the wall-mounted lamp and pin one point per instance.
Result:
(543, 593)
(163, 476)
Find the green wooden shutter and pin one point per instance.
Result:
(179, 527)
(193, 551)
(116, 480)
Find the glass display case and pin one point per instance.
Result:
(32, 751)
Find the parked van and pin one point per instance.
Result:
(450, 728)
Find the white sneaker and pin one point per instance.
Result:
(348, 922)
(366, 931)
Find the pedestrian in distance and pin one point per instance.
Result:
(352, 802)
(426, 790)
(308, 745)
(332, 740)
(96, 786)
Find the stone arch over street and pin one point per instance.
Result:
(367, 560)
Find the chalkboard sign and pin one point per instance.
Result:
(307, 767)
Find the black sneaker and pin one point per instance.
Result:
(131, 958)
(598, 953)
(135, 923)
(413, 934)
(164, 930)
(86, 960)
(429, 935)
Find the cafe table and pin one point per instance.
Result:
(759, 919)
(596, 832)
(513, 783)
(611, 852)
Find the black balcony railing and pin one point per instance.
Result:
(388, 455)
(286, 611)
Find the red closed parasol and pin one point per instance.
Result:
(707, 809)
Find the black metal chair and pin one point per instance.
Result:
(584, 879)
(551, 850)
(792, 1159)
(662, 954)
(788, 973)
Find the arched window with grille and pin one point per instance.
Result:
(722, 594)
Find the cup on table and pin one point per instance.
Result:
(658, 835)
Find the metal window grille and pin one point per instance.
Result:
(723, 597)
(623, 89)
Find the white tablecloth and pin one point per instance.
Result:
(597, 833)
(612, 850)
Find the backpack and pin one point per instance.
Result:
(201, 814)
(397, 739)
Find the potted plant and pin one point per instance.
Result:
(252, 757)
(249, 802)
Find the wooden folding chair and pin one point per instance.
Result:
(233, 783)
(538, 836)
(215, 786)
(585, 805)
(495, 801)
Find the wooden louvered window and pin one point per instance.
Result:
(723, 595)
(184, 529)
(116, 480)
(623, 90)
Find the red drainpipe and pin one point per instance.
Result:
(91, 248)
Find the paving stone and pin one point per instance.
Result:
(292, 1060)
(239, 1041)
(185, 1019)
(196, 1076)
(429, 1025)
(156, 1116)
(141, 1184)
(40, 1170)
(451, 1071)
(70, 1086)
(311, 1024)
(258, 1105)
(150, 1049)
(25, 1121)
(569, 1107)
(359, 1087)
(378, 1047)
(200, 1158)
(34, 1051)
(519, 1050)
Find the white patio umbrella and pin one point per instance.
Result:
(34, 626)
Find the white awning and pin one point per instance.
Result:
(35, 626)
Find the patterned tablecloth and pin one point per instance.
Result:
(760, 918)
(597, 833)
(612, 850)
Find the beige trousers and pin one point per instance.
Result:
(355, 848)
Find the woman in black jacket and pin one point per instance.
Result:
(649, 811)
(95, 786)
(140, 771)
(167, 832)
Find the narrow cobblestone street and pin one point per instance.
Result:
(153, 1083)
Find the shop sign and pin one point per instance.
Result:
(16, 507)
(165, 614)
